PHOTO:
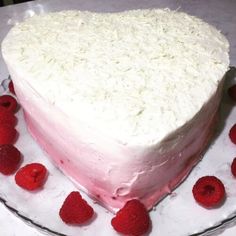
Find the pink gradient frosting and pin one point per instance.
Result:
(109, 171)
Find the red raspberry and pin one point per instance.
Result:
(232, 92)
(7, 134)
(75, 210)
(10, 159)
(11, 87)
(7, 117)
(209, 191)
(31, 176)
(9, 103)
(232, 134)
(132, 219)
(233, 167)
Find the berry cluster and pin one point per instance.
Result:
(29, 177)
(10, 156)
(209, 191)
(232, 131)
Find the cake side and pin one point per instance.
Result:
(111, 172)
(120, 67)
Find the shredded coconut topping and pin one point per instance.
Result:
(136, 75)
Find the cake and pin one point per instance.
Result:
(123, 103)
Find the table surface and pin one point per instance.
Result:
(216, 12)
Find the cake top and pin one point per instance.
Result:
(136, 75)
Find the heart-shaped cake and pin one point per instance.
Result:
(124, 103)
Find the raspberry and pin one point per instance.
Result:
(11, 87)
(132, 219)
(31, 176)
(8, 102)
(7, 117)
(209, 191)
(75, 210)
(233, 167)
(232, 92)
(232, 134)
(7, 134)
(10, 158)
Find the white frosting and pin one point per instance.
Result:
(136, 75)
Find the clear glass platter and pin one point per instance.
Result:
(169, 217)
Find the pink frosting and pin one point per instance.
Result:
(107, 170)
